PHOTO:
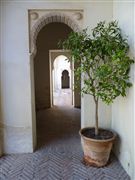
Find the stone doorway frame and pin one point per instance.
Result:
(38, 18)
(53, 54)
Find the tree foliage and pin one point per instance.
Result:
(104, 60)
(105, 63)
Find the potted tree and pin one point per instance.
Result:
(104, 69)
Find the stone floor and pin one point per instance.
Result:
(62, 97)
(59, 154)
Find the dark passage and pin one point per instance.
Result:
(65, 79)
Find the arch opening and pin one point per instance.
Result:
(46, 40)
(53, 17)
(39, 48)
(62, 81)
(61, 72)
(65, 80)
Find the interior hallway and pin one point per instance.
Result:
(59, 154)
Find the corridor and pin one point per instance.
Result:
(59, 155)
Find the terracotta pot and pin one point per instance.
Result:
(96, 152)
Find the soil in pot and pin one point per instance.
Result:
(102, 135)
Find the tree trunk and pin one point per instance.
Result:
(96, 116)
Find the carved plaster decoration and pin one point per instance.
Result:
(39, 18)
(34, 16)
(78, 16)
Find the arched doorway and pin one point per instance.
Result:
(61, 68)
(46, 40)
(60, 96)
(65, 79)
(37, 54)
(76, 97)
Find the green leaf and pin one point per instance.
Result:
(104, 60)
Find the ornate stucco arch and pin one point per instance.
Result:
(73, 19)
(37, 20)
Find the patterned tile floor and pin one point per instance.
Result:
(59, 154)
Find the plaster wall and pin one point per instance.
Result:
(15, 80)
(1, 137)
(15, 69)
(123, 108)
(95, 12)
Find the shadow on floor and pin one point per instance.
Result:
(59, 156)
(57, 123)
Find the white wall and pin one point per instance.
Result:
(15, 68)
(123, 108)
(95, 12)
(15, 80)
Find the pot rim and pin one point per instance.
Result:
(98, 140)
